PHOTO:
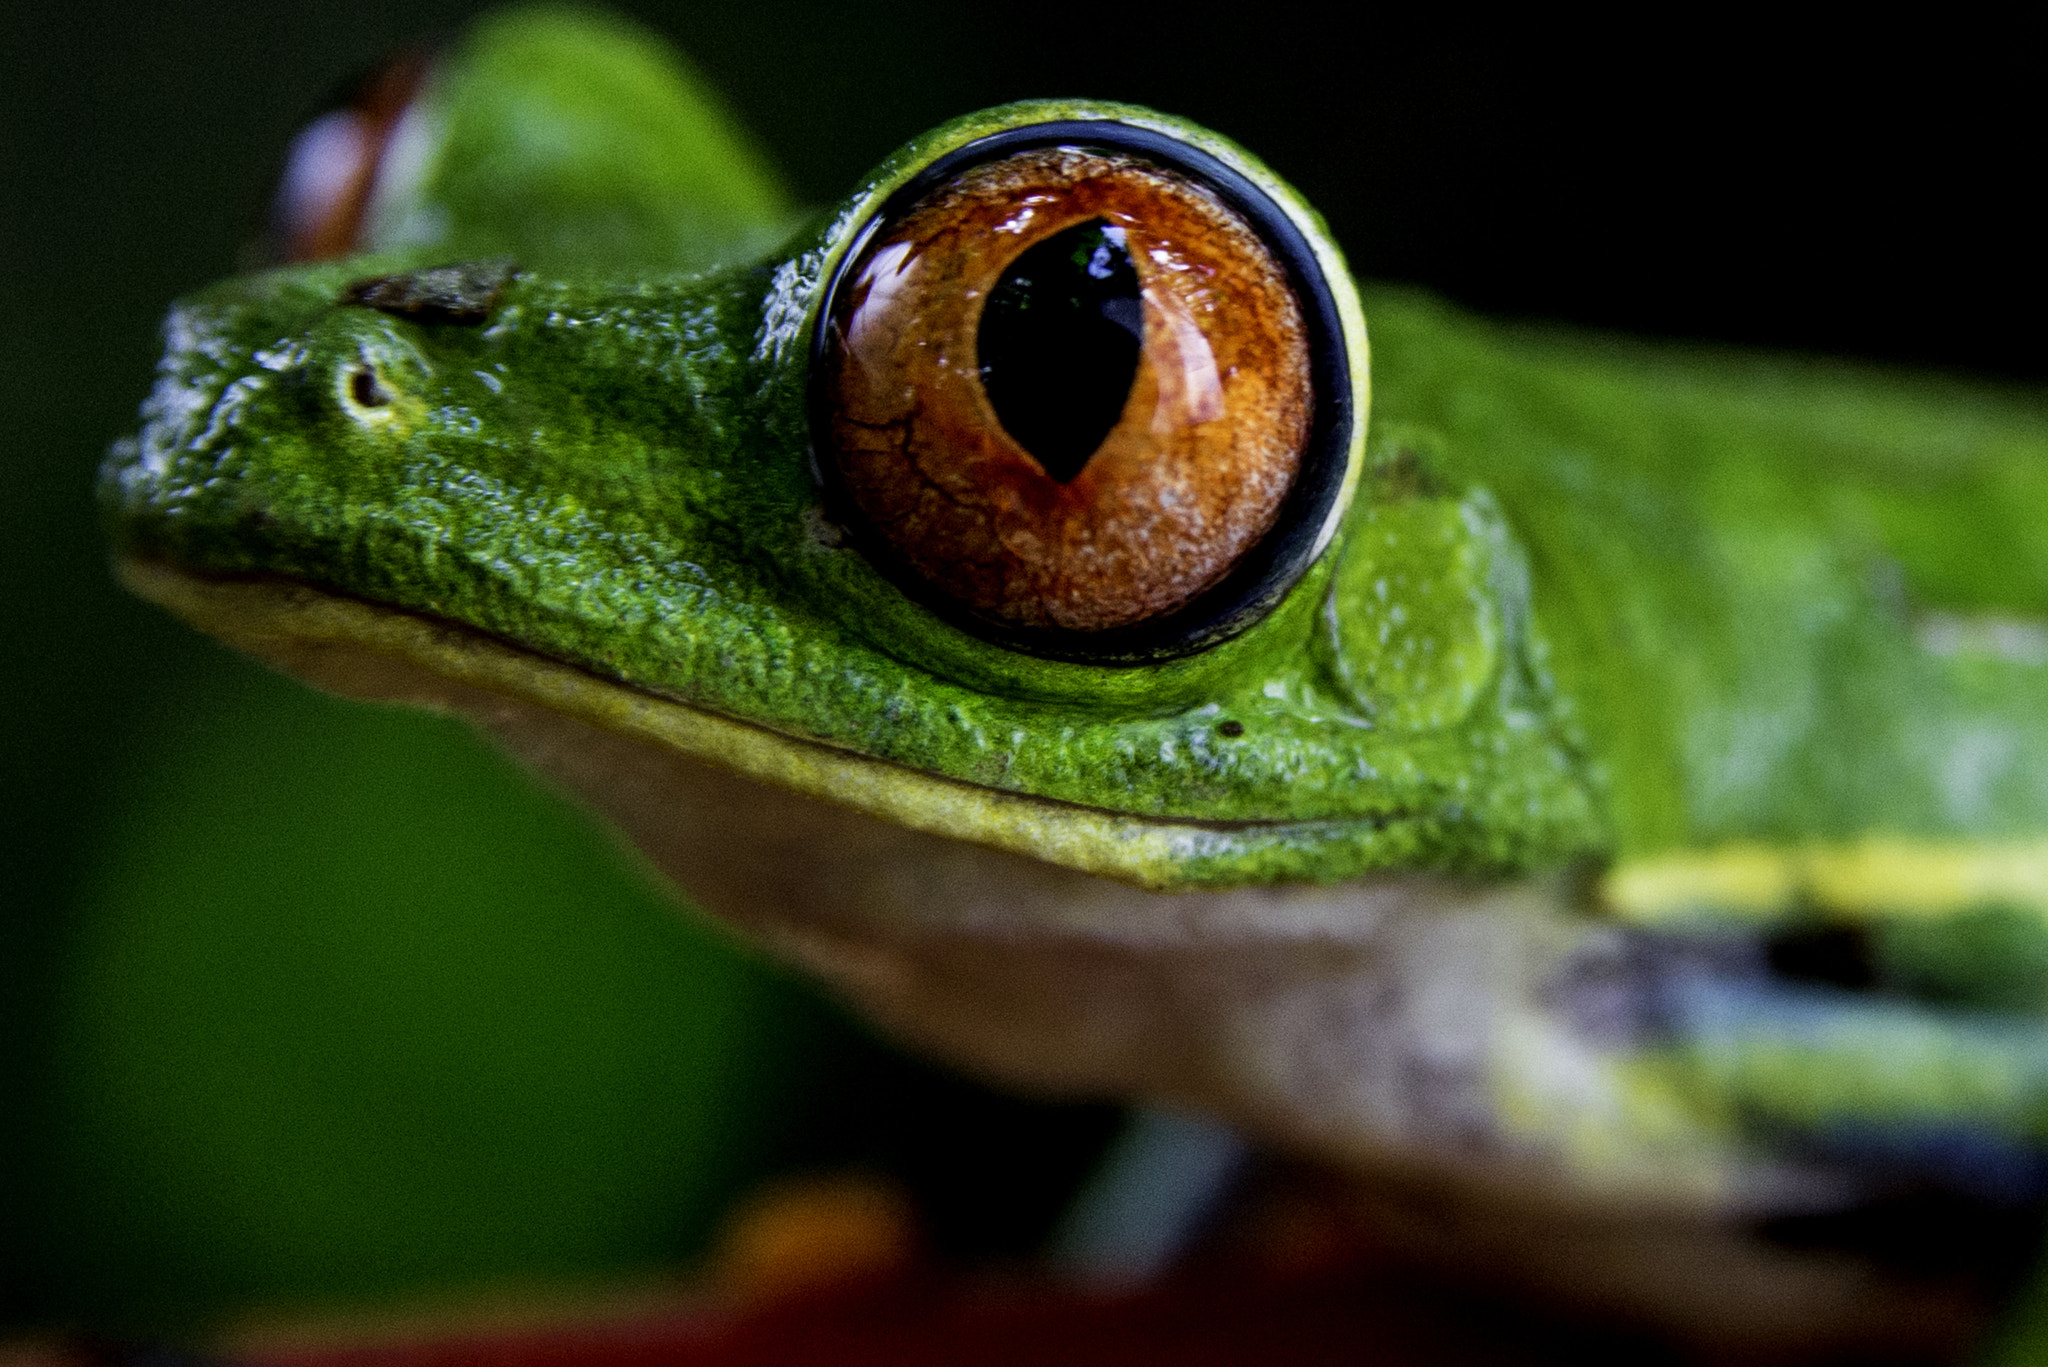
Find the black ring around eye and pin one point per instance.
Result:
(1262, 576)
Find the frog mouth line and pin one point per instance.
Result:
(338, 643)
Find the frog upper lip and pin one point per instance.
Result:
(305, 629)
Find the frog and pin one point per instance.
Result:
(1591, 793)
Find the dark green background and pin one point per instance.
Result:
(303, 1001)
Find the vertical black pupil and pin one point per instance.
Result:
(1059, 343)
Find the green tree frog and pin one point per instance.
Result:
(1597, 791)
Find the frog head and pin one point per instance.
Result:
(656, 480)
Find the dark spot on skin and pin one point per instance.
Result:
(463, 294)
(1231, 729)
(364, 389)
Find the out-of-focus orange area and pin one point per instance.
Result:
(799, 1235)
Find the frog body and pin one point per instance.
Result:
(1474, 858)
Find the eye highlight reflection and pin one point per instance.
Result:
(1069, 389)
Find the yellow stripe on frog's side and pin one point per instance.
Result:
(1877, 876)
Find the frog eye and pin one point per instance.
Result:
(1081, 388)
(330, 171)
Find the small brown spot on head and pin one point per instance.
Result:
(463, 294)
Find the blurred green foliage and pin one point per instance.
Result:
(353, 1008)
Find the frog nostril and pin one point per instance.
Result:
(365, 390)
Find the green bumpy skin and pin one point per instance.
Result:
(1593, 600)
